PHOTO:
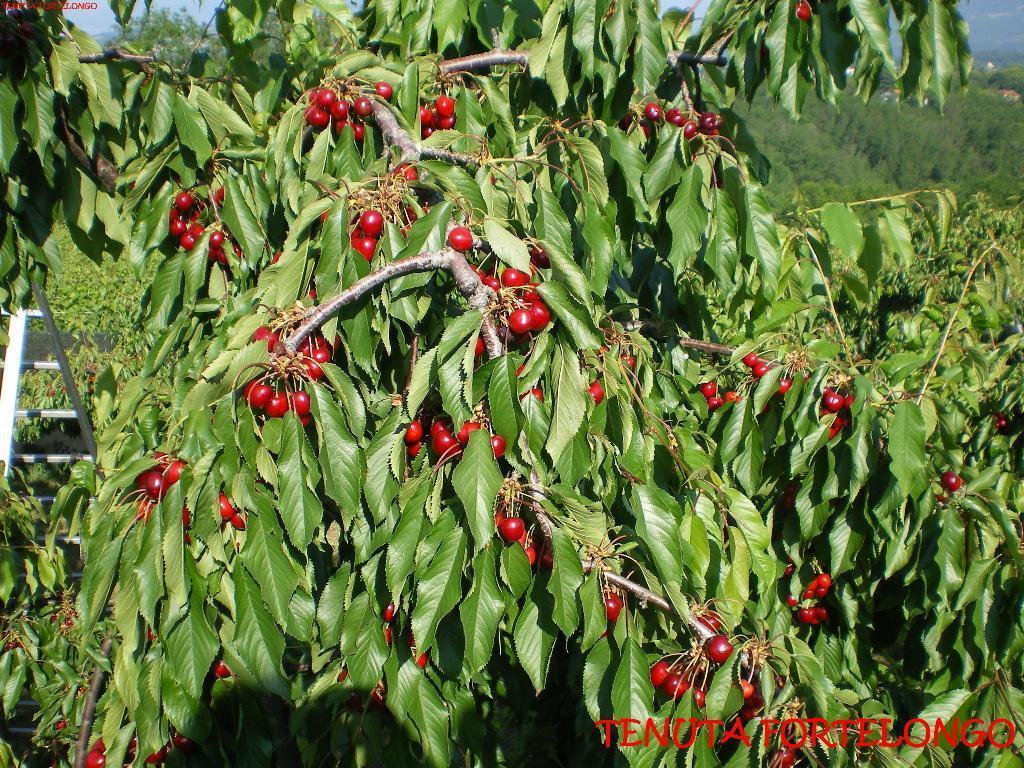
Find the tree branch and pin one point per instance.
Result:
(103, 171)
(89, 710)
(707, 346)
(466, 280)
(396, 136)
(495, 58)
(675, 58)
(116, 54)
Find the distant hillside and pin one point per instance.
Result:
(866, 150)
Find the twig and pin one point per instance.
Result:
(486, 60)
(89, 710)
(466, 280)
(103, 171)
(116, 54)
(949, 324)
(707, 346)
(831, 303)
(675, 58)
(411, 151)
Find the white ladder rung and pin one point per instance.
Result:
(46, 413)
(51, 458)
(38, 365)
(60, 539)
(32, 314)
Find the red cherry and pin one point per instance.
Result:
(786, 758)
(440, 425)
(446, 123)
(951, 481)
(824, 580)
(460, 238)
(409, 173)
(364, 245)
(809, 592)
(258, 395)
(372, 223)
(513, 278)
(444, 444)
(791, 601)
(177, 228)
(413, 433)
(690, 129)
(157, 757)
(629, 360)
(226, 510)
(325, 97)
(732, 397)
(220, 670)
(708, 122)
(709, 389)
(538, 394)
(751, 359)
(492, 282)
(718, 649)
(414, 450)
(238, 522)
(675, 685)
(183, 201)
(596, 392)
(760, 369)
(613, 607)
(173, 471)
(653, 112)
(363, 106)
(520, 321)
(463, 434)
(196, 230)
(358, 131)
(299, 402)
(187, 242)
(675, 116)
(832, 401)
(511, 529)
(95, 760)
(699, 697)
(541, 315)
(498, 446)
(747, 688)
(785, 385)
(277, 406)
(531, 555)
(803, 11)
(444, 106)
(426, 117)
(339, 111)
(539, 257)
(155, 485)
(659, 672)
(318, 118)
(389, 612)
(820, 613)
(384, 90)
(422, 660)
(714, 403)
(806, 616)
(183, 743)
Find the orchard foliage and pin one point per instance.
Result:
(373, 499)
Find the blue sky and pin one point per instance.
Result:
(101, 20)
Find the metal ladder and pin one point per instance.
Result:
(14, 366)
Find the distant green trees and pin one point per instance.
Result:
(864, 150)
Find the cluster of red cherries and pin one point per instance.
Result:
(526, 311)
(758, 368)
(326, 107)
(445, 444)
(156, 482)
(1001, 422)
(675, 678)
(368, 229)
(512, 529)
(437, 117)
(813, 613)
(707, 123)
(836, 404)
(275, 399)
(184, 226)
(97, 755)
(390, 611)
(16, 29)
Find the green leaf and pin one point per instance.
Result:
(507, 246)
(477, 481)
(906, 445)
(570, 314)
(341, 460)
(191, 128)
(534, 636)
(480, 612)
(570, 401)
(566, 577)
(632, 691)
(844, 229)
(265, 557)
(191, 649)
(439, 589)
(298, 505)
(257, 644)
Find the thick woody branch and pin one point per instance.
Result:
(116, 54)
(411, 151)
(675, 58)
(478, 61)
(707, 346)
(466, 280)
(89, 710)
(103, 171)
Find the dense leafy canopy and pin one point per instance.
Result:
(318, 586)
